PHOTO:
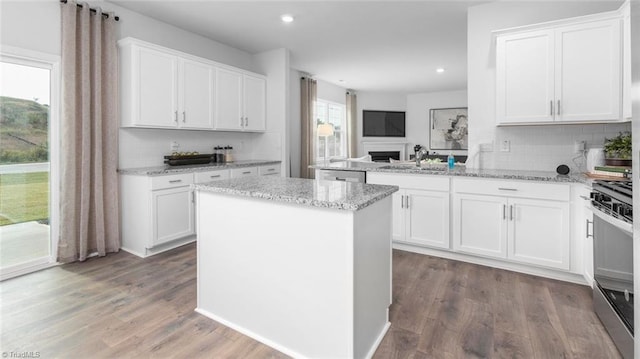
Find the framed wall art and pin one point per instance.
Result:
(448, 129)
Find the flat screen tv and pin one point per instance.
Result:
(383, 123)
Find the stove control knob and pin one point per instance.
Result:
(617, 208)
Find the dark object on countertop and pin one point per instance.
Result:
(181, 160)
(563, 170)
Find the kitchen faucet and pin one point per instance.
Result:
(420, 151)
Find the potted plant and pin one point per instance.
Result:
(618, 150)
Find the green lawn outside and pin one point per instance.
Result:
(24, 197)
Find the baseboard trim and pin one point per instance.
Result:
(514, 267)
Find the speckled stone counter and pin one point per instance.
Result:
(325, 194)
(164, 170)
(441, 170)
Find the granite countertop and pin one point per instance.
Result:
(165, 169)
(459, 170)
(324, 194)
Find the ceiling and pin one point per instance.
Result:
(377, 46)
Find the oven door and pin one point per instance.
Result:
(613, 263)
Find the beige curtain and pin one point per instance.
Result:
(352, 125)
(89, 129)
(308, 96)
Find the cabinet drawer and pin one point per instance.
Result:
(510, 188)
(244, 172)
(202, 177)
(426, 182)
(269, 170)
(171, 181)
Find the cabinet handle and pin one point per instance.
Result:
(246, 172)
(407, 201)
(402, 201)
(241, 121)
(507, 189)
(246, 121)
(511, 213)
(215, 176)
(504, 211)
(184, 117)
(175, 181)
(551, 108)
(587, 228)
(558, 108)
(175, 116)
(585, 198)
(271, 169)
(193, 197)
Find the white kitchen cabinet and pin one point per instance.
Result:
(156, 212)
(161, 89)
(420, 208)
(240, 101)
(154, 85)
(539, 232)
(172, 214)
(480, 225)
(196, 95)
(517, 221)
(563, 73)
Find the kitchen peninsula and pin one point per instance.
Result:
(303, 266)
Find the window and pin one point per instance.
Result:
(335, 114)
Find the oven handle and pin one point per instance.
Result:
(622, 225)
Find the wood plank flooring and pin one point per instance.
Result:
(121, 306)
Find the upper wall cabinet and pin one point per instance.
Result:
(241, 101)
(164, 88)
(567, 73)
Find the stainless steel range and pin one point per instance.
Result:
(613, 260)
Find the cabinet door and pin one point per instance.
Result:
(228, 104)
(480, 225)
(398, 216)
(525, 77)
(255, 103)
(588, 71)
(196, 95)
(427, 221)
(539, 232)
(173, 214)
(156, 89)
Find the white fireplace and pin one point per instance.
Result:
(400, 147)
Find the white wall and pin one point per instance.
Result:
(532, 147)
(36, 26)
(381, 102)
(274, 143)
(418, 106)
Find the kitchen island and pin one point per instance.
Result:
(303, 266)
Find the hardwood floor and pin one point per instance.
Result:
(122, 306)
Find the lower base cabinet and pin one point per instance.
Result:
(172, 214)
(525, 230)
(158, 212)
(420, 208)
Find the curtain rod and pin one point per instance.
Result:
(117, 18)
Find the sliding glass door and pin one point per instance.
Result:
(27, 161)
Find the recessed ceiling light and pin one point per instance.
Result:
(287, 18)
(440, 70)
(342, 81)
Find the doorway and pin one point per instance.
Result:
(28, 161)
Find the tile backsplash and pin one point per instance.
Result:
(146, 147)
(543, 148)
